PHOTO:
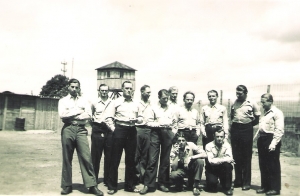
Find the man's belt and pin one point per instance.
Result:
(263, 134)
(186, 129)
(100, 125)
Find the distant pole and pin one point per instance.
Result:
(221, 97)
(269, 89)
(72, 67)
(64, 70)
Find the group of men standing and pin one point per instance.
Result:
(151, 133)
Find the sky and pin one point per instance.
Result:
(196, 45)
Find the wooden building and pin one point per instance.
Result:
(114, 75)
(39, 113)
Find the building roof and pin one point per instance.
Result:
(116, 65)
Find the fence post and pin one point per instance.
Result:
(269, 89)
(221, 97)
(229, 108)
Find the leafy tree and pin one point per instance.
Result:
(56, 87)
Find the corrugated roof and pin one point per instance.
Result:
(116, 65)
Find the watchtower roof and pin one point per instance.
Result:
(116, 65)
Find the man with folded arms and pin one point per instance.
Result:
(271, 130)
(122, 116)
(188, 119)
(219, 155)
(75, 112)
(161, 137)
(101, 137)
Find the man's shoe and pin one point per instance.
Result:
(273, 192)
(229, 192)
(260, 191)
(246, 188)
(133, 190)
(66, 190)
(196, 191)
(111, 192)
(163, 188)
(144, 190)
(94, 190)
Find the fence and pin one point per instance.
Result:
(286, 98)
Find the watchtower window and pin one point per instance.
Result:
(108, 74)
(121, 74)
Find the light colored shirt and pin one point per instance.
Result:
(146, 110)
(245, 113)
(164, 116)
(99, 109)
(216, 155)
(188, 118)
(272, 122)
(212, 115)
(190, 150)
(123, 111)
(69, 107)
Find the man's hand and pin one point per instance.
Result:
(272, 147)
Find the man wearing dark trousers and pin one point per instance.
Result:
(161, 137)
(143, 132)
(271, 130)
(211, 116)
(244, 115)
(219, 163)
(186, 162)
(101, 137)
(188, 119)
(75, 111)
(124, 112)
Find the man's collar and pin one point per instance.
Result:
(214, 106)
(74, 98)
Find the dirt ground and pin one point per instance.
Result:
(30, 164)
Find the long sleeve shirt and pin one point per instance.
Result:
(99, 110)
(216, 155)
(212, 114)
(69, 108)
(272, 122)
(244, 113)
(188, 118)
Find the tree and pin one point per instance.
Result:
(56, 87)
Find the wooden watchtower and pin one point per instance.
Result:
(113, 75)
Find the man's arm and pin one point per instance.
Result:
(278, 130)
(225, 123)
(66, 113)
(202, 122)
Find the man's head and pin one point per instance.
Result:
(266, 101)
(241, 92)
(103, 91)
(74, 87)
(127, 89)
(173, 91)
(219, 136)
(181, 141)
(145, 92)
(188, 99)
(163, 96)
(212, 96)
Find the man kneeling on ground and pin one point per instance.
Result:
(220, 162)
(187, 162)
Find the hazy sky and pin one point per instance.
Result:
(195, 45)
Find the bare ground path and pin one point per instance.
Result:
(30, 164)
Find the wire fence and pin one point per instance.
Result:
(286, 98)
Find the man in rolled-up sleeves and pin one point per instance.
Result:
(271, 130)
(75, 112)
(121, 118)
